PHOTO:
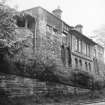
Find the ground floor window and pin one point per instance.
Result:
(89, 67)
(69, 56)
(86, 66)
(63, 57)
(80, 62)
(76, 62)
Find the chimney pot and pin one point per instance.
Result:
(57, 12)
(79, 27)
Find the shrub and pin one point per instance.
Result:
(82, 79)
(4, 99)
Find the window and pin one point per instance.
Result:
(76, 62)
(84, 48)
(63, 54)
(55, 31)
(64, 38)
(21, 22)
(80, 45)
(49, 28)
(88, 50)
(86, 66)
(89, 67)
(94, 52)
(80, 63)
(74, 43)
(66, 28)
(69, 56)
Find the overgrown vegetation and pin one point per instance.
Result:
(42, 65)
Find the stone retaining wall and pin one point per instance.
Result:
(22, 86)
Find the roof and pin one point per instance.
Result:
(100, 45)
(71, 27)
(49, 13)
(79, 34)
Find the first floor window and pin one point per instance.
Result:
(64, 38)
(88, 50)
(80, 45)
(74, 43)
(83, 47)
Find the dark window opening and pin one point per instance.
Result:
(55, 30)
(76, 62)
(80, 61)
(25, 22)
(63, 54)
(69, 56)
(21, 22)
(86, 65)
(89, 67)
(29, 25)
(64, 32)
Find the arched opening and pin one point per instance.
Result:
(86, 66)
(76, 62)
(80, 62)
(25, 20)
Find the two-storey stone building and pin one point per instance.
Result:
(67, 43)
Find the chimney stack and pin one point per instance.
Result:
(78, 27)
(57, 12)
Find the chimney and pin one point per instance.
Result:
(57, 12)
(78, 27)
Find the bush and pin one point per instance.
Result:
(82, 79)
(4, 99)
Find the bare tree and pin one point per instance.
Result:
(4, 1)
(99, 35)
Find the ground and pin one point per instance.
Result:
(61, 99)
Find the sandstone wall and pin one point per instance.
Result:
(22, 86)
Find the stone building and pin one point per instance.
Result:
(49, 34)
(98, 60)
(68, 44)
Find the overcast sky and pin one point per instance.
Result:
(89, 13)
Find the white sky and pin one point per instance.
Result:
(89, 13)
